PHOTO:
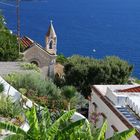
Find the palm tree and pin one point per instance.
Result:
(69, 92)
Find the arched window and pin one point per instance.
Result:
(51, 44)
(36, 63)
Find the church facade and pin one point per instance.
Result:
(44, 58)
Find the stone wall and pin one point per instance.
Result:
(38, 55)
(9, 67)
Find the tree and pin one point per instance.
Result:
(44, 129)
(82, 72)
(69, 92)
(61, 59)
(8, 43)
(110, 70)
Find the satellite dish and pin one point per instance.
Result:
(94, 50)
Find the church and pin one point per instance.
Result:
(44, 58)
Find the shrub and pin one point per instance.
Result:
(36, 88)
(61, 59)
(32, 81)
(44, 92)
(30, 66)
(82, 72)
(8, 108)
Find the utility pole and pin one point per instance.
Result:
(18, 23)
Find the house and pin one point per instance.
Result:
(119, 104)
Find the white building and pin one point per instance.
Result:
(119, 104)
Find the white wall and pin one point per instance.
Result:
(11, 91)
(112, 119)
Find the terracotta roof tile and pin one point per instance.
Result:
(26, 42)
(134, 89)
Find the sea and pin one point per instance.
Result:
(94, 28)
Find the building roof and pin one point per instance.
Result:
(26, 42)
(127, 116)
(133, 89)
(51, 31)
(130, 115)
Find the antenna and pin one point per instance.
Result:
(18, 23)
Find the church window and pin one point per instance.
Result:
(51, 44)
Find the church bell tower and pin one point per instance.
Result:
(51, 40)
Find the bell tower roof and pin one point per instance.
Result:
(51, 32)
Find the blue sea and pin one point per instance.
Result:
(94, 28)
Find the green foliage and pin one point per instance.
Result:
(23, 90)
(69, 92)
(53, 130)
(39, 130)
(120, 70)
(12, 128)
(59, 80)
(1, 88)
(61, 59)
(8, 108)
(44, 129)
(134, 80)
(101, 134)
(33, 121)
(125, 135)
(8, 43)
(30, 66)
(15, 137)
(82, 72)
(42, 91)
(32, 81)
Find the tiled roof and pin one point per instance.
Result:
(134, 89)
(26, 42)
